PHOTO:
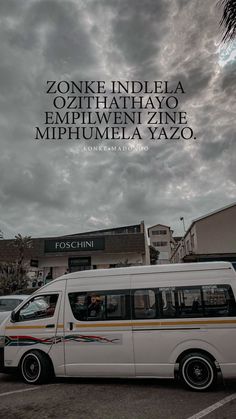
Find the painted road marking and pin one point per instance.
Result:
(25, 389)
(213, 407)
(18, 391)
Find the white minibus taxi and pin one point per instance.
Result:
(145, 321)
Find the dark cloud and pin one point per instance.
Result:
(52, 188)
(139, 29)
(11, 8)
(228, 81)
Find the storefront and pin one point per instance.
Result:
(51, 257)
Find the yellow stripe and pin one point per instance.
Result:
(60, 326)
(132, 324)
(91, 325)
(199, 322)
(154, 323)
(24, 327)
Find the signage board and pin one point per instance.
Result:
(87, 244)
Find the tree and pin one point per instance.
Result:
(228, 20)
(13, 275)
(8, 277)
(22, 243)
(154, 255)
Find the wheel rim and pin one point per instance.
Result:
(198, 373)
(31, 368)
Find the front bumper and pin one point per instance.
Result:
(3, 369)
(1, 359)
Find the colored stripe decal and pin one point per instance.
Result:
(132, 324)
(31, 340)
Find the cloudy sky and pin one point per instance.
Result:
(51, 187)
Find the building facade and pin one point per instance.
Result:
(51, 257)
(209, 238)
(162, 240)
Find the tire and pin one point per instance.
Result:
(35, 368)
(198, 372)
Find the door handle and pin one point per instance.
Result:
(71, 325)
(50, 325)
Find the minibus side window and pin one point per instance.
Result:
(100, 305)
(115, 306)
(39, 307)
(168, 305)
(218, 301)
(181, 302)
(144, 304)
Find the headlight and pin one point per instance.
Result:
(2, 341)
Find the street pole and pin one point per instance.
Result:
(182, 219)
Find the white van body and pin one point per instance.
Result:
(134, 339)
(9, 303)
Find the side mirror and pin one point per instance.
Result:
(13, 316)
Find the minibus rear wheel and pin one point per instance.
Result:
(198, 372)
(35, 367)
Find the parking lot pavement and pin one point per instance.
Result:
(111, 398)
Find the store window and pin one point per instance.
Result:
(159, 232)
(159, 244)
(79, 264)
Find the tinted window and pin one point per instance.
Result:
(144, 302)
(181, 302)
(38, 307)
(107, 305)
(218, 300)
(208, 301)
(9, 304)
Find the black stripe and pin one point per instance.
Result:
(161, 328)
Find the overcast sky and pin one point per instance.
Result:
(52, 188)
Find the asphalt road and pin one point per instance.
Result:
(111, 398)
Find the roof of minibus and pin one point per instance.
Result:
(178, 267)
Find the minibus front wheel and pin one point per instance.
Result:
(198, 371)
(35, 367)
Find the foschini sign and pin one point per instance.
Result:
(74, 245)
